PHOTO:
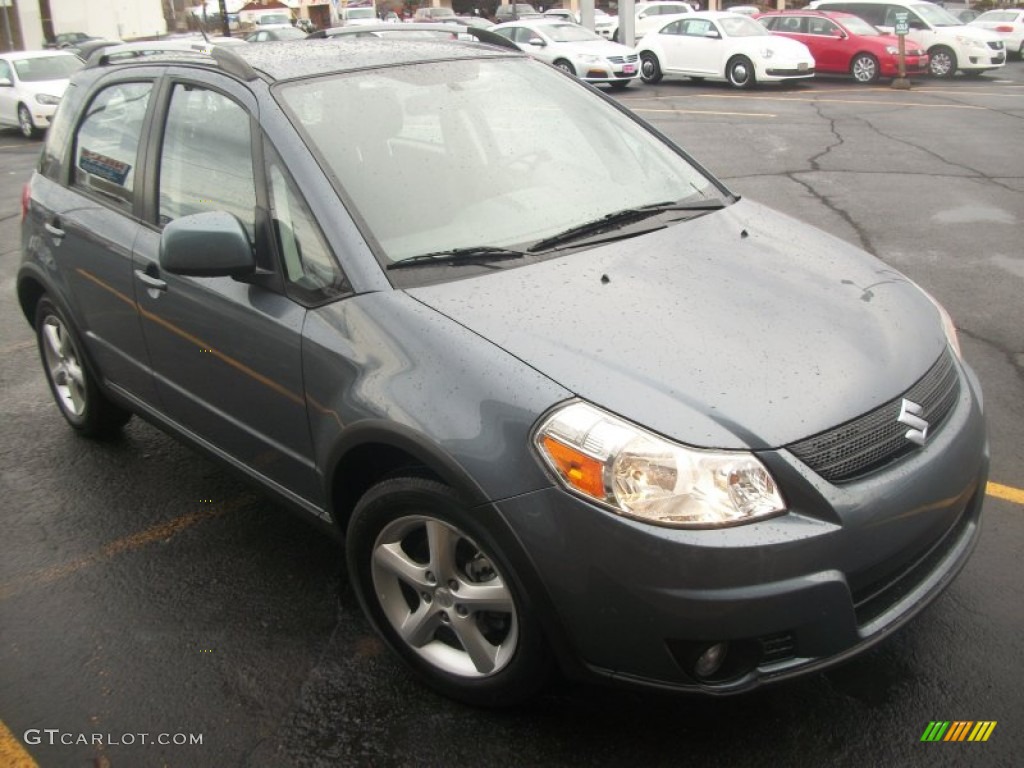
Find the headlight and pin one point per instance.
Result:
(970, 42)
(640, 475)
(947, 324)
(47, 99)
(893, 50)
(589, 58)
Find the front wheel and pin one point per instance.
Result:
(566, 66)
(942, 62)
(740, 72)
(80, 401)
(441, 593)
(650, 68)
(864, 68)
(25, 125)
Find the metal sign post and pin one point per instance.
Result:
(8, 39)
(902, 28)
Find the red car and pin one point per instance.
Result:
(842, 43)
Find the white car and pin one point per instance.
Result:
(722, 46)
(575, 50)
(1008, 23)
(651, 16)
(31, 86)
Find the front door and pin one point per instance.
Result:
(226, 354)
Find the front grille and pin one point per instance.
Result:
(623, 59)
(875, 439)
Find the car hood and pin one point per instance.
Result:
(595, 48)
(781, 45)
(49, 87)
(974, 33)
(739, 329)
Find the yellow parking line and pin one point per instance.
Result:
(1005, 492)
(704, 112)
(12, 754)
(125, 544)
(839, 101)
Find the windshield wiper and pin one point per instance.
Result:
(617, 219)
(471, 255)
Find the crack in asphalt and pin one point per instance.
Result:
(972, 172)
(1014, 357)
(813, 161)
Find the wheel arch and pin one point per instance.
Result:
(374, 451)
(30, 291)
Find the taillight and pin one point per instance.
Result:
(26, 198)
(1004, 28)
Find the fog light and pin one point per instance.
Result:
(711, 660)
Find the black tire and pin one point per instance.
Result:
(401, 532)
(25, 125)
(566, 66)
(650, 68)
(71, 381)
(864, 68)
(615, 36)
(619, 85)
(740, 72)
(942, 62)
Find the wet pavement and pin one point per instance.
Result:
(145, 591)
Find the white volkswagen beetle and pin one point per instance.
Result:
(725, 46)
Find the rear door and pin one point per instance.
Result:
(226, 354)
(90, 222)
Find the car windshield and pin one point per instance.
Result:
(570, 33)
(41, 68)
(445, 155)
(858, 26)
(360, 13)
(937, 17)
(742, 26)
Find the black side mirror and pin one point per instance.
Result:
(212, 244)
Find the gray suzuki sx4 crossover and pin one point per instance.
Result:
(569, 402)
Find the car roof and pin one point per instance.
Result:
(13, 55)
(837, 15)
(291, 59)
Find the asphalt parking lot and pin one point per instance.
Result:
(145, 591)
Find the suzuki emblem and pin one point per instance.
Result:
(910, 415)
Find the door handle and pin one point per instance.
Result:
(151, 282)
(54, 228)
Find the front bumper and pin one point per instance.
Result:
(847, 566)
(777, 68)
(914, 65)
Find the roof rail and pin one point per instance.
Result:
(223, 56)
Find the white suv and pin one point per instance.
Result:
(951, 45)
(649, 16)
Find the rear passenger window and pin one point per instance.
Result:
(107, 142)
(206, 158)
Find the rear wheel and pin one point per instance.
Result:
(25, 125)
(80, 401)
(441, 593)
(864, 68)
(740, 72)
(942, 62)
(650, 68)
(566, 66)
